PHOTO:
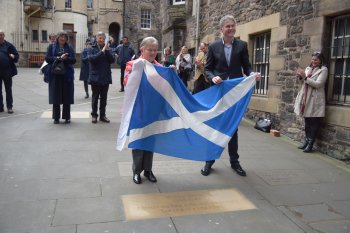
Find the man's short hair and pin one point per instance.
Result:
(225, 18)
(101, 34)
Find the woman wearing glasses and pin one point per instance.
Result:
(311, 101)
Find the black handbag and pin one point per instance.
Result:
(263, 124)
(58, 68)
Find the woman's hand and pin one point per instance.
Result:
(300, 73)
(64, 56)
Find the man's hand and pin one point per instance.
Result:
(217, 80)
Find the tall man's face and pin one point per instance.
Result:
(125, 40)
(229, 29)
(2, 37)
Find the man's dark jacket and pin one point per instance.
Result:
(11, 50)
(217, 65)
(100, 66)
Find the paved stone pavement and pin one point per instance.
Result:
(70, 179)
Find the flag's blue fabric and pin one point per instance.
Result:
(160, 115)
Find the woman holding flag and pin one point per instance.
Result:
(143, 160)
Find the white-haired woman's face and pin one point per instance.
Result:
(149, 52)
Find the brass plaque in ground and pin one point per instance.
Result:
(160, 205)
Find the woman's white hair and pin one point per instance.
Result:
(148, 41)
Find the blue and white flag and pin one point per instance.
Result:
(160, 115)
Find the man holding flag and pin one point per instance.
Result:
(227, 58)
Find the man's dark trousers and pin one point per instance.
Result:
(7, 79)
(122, 73)
(232, 150)
(99, 91)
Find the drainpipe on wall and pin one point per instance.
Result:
(197, 25)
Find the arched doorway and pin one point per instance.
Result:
(114, 31)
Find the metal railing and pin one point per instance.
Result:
(24, 43)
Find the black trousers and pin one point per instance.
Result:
(99, 91)
(200, 84)
(312, 124)
(142, 161)
(122, 73)
(184, 76)
(86, 87)
(56, 111)
(7, 79)
(232, 149)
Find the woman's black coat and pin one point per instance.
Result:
(61, 87)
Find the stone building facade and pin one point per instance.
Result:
(28, 23)
(142, 19)
(285, 33)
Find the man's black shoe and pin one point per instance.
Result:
(94, 120)
(150, 176)
(137, 179)
(2, 110)
(104, 119)
(121, 90)
(10, 111)
(238, 169)
(205, 171)
(56, 121)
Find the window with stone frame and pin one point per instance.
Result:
(178, 2)
(68, 4)
(89, 4)
(35, 35)
(145, 19)
(339, 70)
(43, 35)
(261, 58)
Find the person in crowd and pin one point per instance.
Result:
(100, 75)
(227, 58)
(200, 81)
(124, 53)
(310, 102)
(168, 58)
(143, 160)
(84, 70)
(43, 68)
(8, 57)
(184, 65)
(61, 87)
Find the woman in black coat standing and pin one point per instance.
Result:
(84, 69)
(61, 87)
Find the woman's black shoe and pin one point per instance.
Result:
(309, 146)
(56, 121)
(67, 121)
(150, 176)
(137, 179)
(86, 96)
(302, 147)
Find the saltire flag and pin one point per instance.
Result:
(160, 115)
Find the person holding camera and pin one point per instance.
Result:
(310, 102)
(184, 65)
(61, 86)
(100, 75)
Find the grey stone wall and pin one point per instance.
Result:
(333, 140)
(132, 18)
